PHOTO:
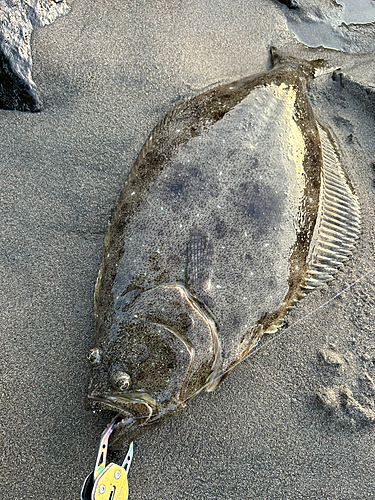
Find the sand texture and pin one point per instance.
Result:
(293, 421)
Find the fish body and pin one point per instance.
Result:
(236, 206)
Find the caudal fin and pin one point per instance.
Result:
(311, 69)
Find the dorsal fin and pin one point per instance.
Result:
(159, 128)
(338, 223)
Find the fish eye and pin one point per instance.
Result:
(95, 356)
(121, 380)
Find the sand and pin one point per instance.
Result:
(107, 72)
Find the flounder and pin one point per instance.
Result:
(236, 206)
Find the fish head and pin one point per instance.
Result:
(140, 376)
(145, 366)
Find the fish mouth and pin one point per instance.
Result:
(136, 408)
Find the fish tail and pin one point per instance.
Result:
(311, 69)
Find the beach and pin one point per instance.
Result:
(107, 73)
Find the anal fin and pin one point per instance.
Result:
(338, 222)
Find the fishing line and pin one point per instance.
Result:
(312, 312)
(283, 331)
(277, 335)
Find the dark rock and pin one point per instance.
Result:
(291, 4)
(17, 20)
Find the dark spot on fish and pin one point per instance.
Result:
(161, 277)
(177, 188)
(155, 259)
(246, 187)
(255, 211)
(220, 229)
(254, 163)
(235, 321)
(272, 283)
(195, 172)
(268, 208)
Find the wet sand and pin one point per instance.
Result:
(107, 73)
